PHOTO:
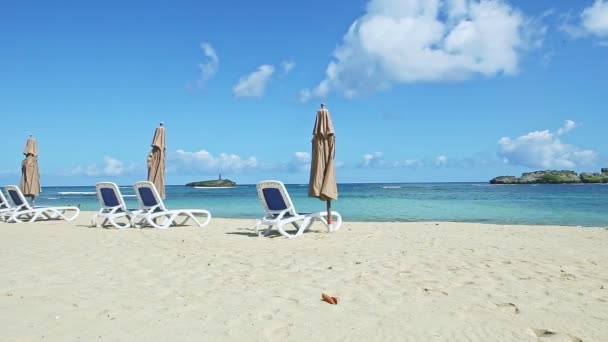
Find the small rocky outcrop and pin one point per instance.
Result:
(216, 183)
(505, 180)
(549, 177)
(553, 177)
(587, 177)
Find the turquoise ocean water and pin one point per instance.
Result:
(585, 205)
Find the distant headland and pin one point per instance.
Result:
(553, 177)
(215, 183)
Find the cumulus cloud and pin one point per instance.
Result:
(299, 162)
(376, 160)
(402, 41)
(568, 126)
(441, 160)
(544, 149)
(203, 161)
(594, 19)
(407, 163)
(288, 66)
(111, 167)
(373, 160)
(209, 67)
(254, 84)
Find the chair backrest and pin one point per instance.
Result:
(274, 197)
(109, 196)
(148, 197)
(16, 196)
(4, 202)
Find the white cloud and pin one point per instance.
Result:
(401, 41)
(299, 162)
(594, 19)
(373, 160)
(254, 84)
(210, 66)
(407, 163)
(377, 160)
(441, 161)
(545, 150)
(203, 161)
(568, 126)
(111, 167)
(288, 66)
(568, 26)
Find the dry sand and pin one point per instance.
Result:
(395, 281)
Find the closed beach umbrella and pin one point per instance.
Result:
(30, 177)
(322, 182)
(156, 161)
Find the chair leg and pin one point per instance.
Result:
(118, 224)
(268, 231)
(305, 225)
(95, 223)
(322, 217)
(336, 222)
(195, 217)
(258, 223)
(283, 232)
(35, 217)
(165, 225)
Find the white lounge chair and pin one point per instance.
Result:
(113, 208)
(154, 213)
(24, 212)
(280, 211)
(5, 208)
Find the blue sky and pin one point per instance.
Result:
(451, 90)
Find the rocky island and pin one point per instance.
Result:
(553, 177)
(215, 183)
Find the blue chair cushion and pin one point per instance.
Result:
(147, 197)
(109, 197)
(15, 197)
(273, 198)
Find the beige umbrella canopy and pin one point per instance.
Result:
(156, 161)
(322, 182)
(30, 177)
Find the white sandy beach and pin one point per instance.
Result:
(396, 281)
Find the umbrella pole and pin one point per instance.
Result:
(328, 212)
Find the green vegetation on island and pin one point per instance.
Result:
(553, 177)
(215, 183)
